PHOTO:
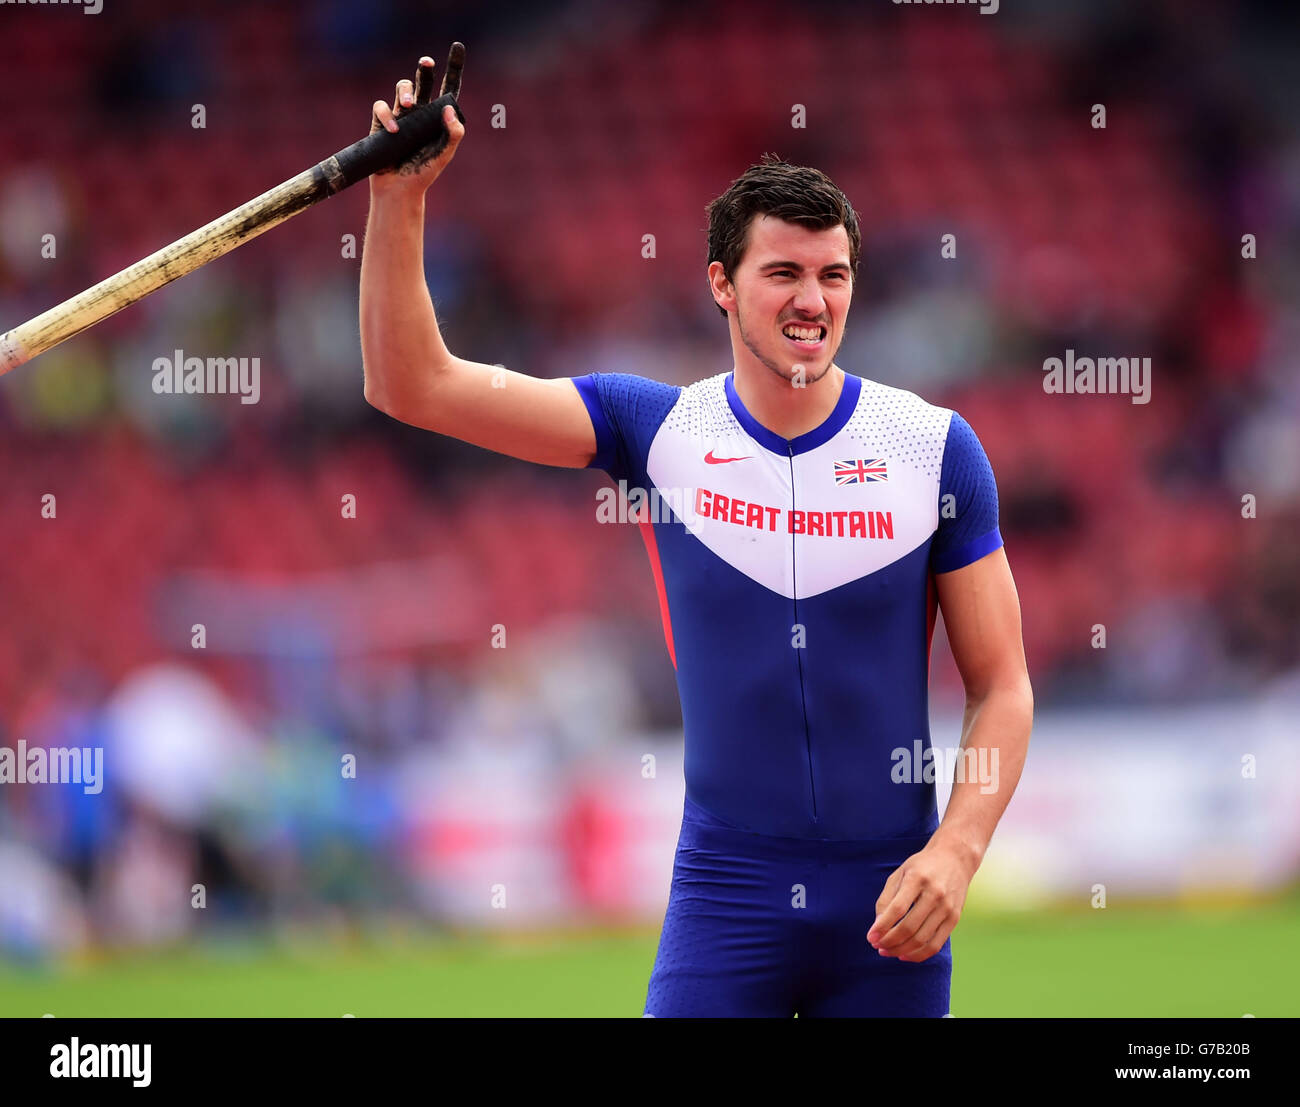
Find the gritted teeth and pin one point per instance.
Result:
(812, 333)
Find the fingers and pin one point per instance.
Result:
(411, 94)
(905, 928)
(928, 939)
(890, 906)
(455, 128)
(455, 65)
(382, 116)
(424, 81)
(403, 98)
(930, 918)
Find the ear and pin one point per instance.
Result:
(724, 292)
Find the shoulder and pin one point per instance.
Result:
(914, 417)
(648, 405)
(900, 407)
(628, 390)
(704, 402)
(902, 426)
(628, 405)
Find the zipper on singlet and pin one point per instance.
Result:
(803, 691)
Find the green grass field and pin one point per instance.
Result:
(1153, 961)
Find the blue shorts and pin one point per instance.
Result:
(769, 927)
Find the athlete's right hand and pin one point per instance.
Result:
(420, 171)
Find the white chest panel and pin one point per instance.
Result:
(804, 525)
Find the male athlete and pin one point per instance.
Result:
(819, 519)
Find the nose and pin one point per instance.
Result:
(808, 299)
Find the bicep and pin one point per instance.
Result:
(533, 419)
(981, 613)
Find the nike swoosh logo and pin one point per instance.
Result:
(711, 460)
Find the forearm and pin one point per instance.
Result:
(401, 346)
(995, 739)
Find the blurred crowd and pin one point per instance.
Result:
(1173, 525)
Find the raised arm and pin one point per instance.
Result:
(409, 372)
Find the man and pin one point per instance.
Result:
(818, 520)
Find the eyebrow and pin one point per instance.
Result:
(798, 268)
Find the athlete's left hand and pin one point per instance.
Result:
(921, 903)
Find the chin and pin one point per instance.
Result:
(813, 369)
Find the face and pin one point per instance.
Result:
(790, 275)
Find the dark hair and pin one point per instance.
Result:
(795, 193)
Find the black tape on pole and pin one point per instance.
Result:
(420, 130)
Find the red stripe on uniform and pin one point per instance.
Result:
(652, 548)
(931, 606)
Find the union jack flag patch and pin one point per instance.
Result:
(859, 471)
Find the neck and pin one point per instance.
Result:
(780, 406)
